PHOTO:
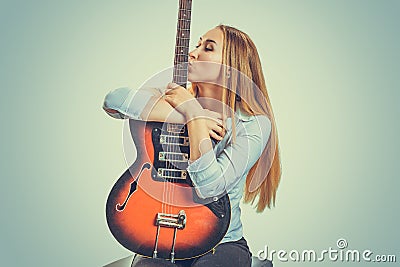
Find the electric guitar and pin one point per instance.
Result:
(153, 209)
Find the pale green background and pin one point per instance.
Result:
(331, 70)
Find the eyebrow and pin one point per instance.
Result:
(209, 40)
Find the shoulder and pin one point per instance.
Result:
(256, 124)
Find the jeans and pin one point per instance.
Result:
(228, 254)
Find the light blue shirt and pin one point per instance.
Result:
(223, 169)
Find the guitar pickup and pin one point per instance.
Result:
(172, 174)
(173, 157)
(175, 128)
(174, 140)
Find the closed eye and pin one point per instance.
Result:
(206, 48)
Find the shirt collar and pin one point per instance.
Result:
(243, 116)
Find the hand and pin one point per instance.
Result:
(215, 124)
(183, 101)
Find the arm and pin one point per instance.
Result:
(141, 104)
(199, 136)
(213, 175)
(201, 123)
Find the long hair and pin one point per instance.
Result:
(241, 54)
(245, 88)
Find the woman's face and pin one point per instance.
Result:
(205, 60)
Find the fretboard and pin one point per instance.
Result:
(182, 43)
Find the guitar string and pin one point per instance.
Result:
(182, 72)
(181, 41)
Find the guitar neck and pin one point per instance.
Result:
(182, 43)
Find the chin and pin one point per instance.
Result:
(192, 77)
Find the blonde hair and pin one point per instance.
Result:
(246, 88)
(241, 54)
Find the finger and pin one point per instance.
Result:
(173, 90)
(169, 92)
(219, 125)
(168, 99)
(219, 130)
(172, 85)
(215, 135)
(223, 130)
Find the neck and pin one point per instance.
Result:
(210, 96)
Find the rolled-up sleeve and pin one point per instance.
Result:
(213, 175)
(124, 102)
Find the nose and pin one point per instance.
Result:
(193, 55)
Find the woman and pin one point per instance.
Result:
(228, 102)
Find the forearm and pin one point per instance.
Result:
(196, 118)
(158, 109)
(199, 137)
(144, 104)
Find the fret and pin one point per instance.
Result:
(180, 78)
(184, 19)
(183, 50)
(181, 60)
(180, 65)
(182, 27)
(180, 73)
(185, 12)
(183, 33)
(185, 44)
(178, 68)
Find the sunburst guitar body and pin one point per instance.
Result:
(153, 210)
